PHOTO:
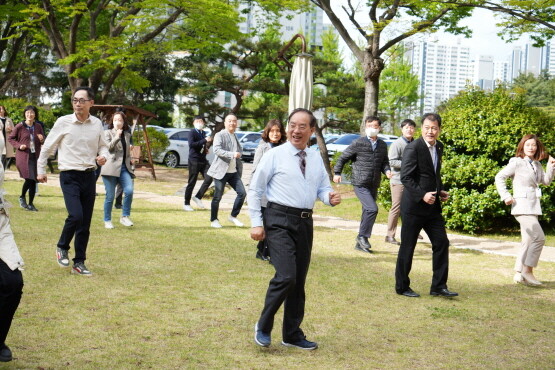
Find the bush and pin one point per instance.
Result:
(347, 168)
(158, 142)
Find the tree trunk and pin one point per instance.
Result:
(323, 149)
(372, 68)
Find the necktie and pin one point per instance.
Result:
(302, 160)
(434, 156)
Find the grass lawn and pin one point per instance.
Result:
(172, 293)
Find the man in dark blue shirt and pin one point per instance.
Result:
(198, 149)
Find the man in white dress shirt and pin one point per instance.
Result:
(292, 178)
(79, 138)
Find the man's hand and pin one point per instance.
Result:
(41, 178)
(335, 198)
(443, 196)
(119, 132)
(101, 160)
(509, 201)
(40, 137)
(337, 179)
(237, 155)
(22, 147)
(209, 139)
(430, 197)
(257, 233)
(389, 174)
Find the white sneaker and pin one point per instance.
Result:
(216, 224)
(187, 208)
(235, 221)
(125, 221)
(198, 202)
(108, 224)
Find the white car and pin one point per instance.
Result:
(177, 153)
(344, 141)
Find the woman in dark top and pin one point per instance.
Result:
(27, 138)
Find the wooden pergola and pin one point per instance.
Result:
(139, 117)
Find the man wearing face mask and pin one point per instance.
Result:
(369, 157)
(198, 149)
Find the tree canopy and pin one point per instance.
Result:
(401, 19)
(534, 17)
(100, 41)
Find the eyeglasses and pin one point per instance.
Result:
(80, 101)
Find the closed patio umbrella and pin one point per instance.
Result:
(300, 87)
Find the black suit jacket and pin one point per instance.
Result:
(418, 177)
(198, 146)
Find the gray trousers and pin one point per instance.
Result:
(367, 199)
(533, 240)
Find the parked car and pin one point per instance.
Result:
(344, 141)
(177, 153)
(246, 136)
(248, 150)
(157, 128)
(328, 139)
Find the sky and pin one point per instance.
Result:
(483, 42)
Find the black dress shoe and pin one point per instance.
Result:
(5, 353)
(359, 248)
(443, 292)
(389, 239)
(363, 242)
(409, 293)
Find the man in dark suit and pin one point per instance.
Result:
(198, 149)
(421, 209)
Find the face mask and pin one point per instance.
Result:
(372, 132)
(199, 126)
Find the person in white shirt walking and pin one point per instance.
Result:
(291, 178)
(79, 138)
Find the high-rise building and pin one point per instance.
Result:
(501, 72)
(443, 70)
(530, 59)
(484, 69)
(532, 62)
(550, 58)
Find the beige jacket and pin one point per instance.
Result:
(8, 149)
(526, 192)
(115, 159)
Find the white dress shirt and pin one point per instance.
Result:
(279, 177)
(433, 153)
(78, 144)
